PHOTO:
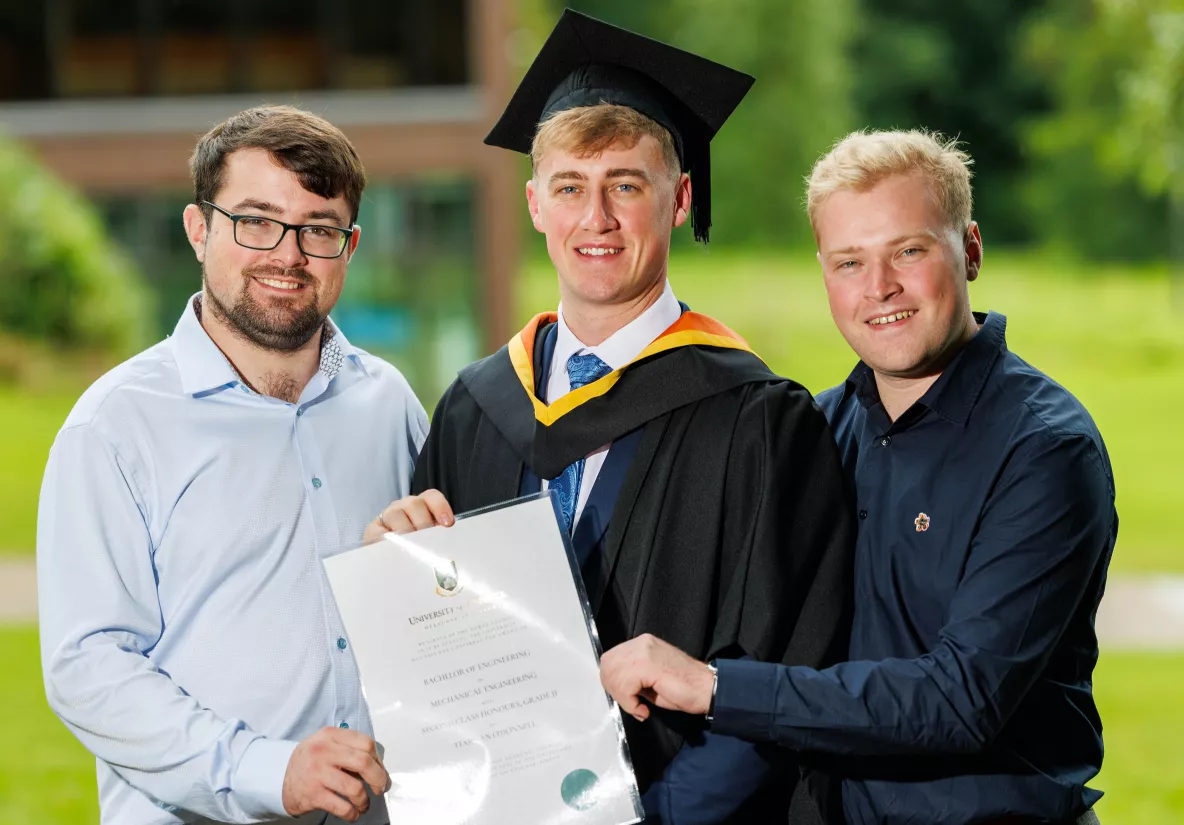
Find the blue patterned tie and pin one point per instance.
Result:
(581, 370)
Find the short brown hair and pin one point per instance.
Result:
(310, 146)
(862, 159)
(589, 130)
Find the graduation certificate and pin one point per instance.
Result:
(480, 666)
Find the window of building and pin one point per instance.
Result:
(70, 49)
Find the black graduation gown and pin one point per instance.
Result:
(732, 533)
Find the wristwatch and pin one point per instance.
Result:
(714, 687)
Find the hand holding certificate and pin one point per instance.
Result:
(479, 664)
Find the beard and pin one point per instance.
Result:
(281, 326)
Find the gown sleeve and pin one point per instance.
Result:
(787, 594)
(434, 468)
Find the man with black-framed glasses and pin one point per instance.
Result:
(189, 639)
(265, 234)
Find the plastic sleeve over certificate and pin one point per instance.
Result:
(480, 666)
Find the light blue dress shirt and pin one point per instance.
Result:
(189, 637)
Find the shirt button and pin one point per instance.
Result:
(316, 483)
(862, 515)
(340, 643)
(344, 725)
(885, 441)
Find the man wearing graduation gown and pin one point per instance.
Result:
(703, 493)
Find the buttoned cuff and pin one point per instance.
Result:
(745, 699)
(259, 779)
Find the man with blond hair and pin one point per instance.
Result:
(702, 493)
(986, 524)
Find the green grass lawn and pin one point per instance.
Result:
(1138, 696)
(1109, 335)
(46, 776)
(28, 424)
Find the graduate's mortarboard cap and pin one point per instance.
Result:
(586, 62)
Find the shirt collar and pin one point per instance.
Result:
(626, 343)
(336, 351)
(954, 394)
(203, 367)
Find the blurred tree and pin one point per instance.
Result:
(646, 18)
(798, 107)
(1149, 136)
(1109, 157)
(952, 66)
(62, 282)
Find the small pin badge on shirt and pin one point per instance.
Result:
(922, 522)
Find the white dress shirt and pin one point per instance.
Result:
(189, 638)
(617, 350)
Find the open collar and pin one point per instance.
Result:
(203, 367)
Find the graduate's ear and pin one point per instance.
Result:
(196, 230)
(532, 203)
(682, 199)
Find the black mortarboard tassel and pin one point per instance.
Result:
(585, 62)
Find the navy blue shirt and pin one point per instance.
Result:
(987, 522)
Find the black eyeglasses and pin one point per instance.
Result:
(258, 232)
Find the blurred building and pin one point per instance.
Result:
(112, 94)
